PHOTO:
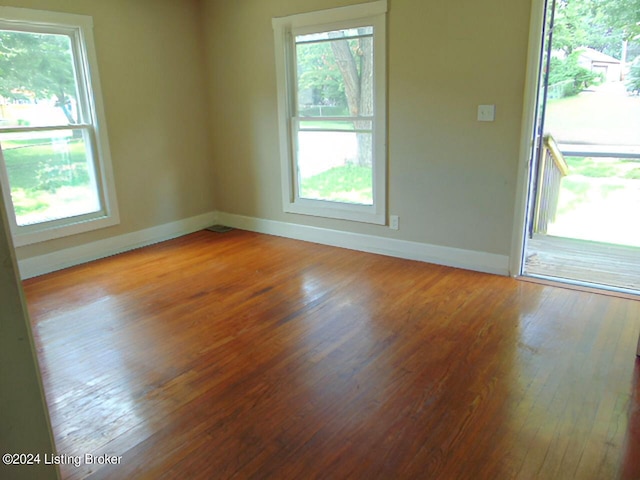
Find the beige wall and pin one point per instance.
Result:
(452, 179)
(151, 61)
(190, 98)
(24, 421)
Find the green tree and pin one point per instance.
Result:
(624, 16)
(320, 77)
(565, 69)
(571, 24)
(603, 25)
(339, 73)
(633, 81)
(608, 26)
(37, 66)
(355, 61)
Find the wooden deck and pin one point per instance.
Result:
(578, 260)
(239, 355)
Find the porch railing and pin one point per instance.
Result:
(552, 168)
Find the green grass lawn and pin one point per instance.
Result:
(348, 183)
(44, 175)
(27, 160)
(590, 179)
(604, 167)
(599, 200)
(600, 197)
(26, 202)
(604, 116)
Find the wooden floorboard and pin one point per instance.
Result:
(616, 266)
(240, 355)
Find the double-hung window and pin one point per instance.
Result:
(55, 165)
(332, 111)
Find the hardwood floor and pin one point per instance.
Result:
(241, 355)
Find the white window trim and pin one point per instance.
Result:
(285, 28)
(82, 28)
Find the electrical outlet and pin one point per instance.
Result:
(394, 222)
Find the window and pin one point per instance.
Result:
(55, 165)
(332, 111)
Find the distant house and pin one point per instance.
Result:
(598, 62)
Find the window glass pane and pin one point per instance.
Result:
(50, 174)
(335, 74)
(349, 126)
(37, 80)
(331, 101)
(335, 166)
(347, 33)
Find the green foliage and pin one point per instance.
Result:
(37, 67)
(571, 24)
(633, 79)
(319, 75)
(599, 24)
(562, 70)
(622, 15)
(320, 81)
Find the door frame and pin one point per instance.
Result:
(527, 135)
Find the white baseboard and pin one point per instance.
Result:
(50, 262)
(452, 257)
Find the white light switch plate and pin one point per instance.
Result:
(486, 113)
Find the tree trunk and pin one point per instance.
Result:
(349, 70)
(365, 140)
(358, 86)
(64, 103)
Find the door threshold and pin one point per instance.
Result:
(581, 286)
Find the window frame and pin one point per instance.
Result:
(285, 31)
(91, 121)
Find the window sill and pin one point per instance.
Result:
(52, 233)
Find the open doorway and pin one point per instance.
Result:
(583, 212)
